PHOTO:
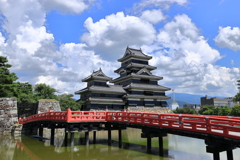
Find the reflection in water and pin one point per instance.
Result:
(134, 148)
(7, 146)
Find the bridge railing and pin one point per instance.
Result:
(58, 116)
(68, 116)
(217, 125)
(86, 116)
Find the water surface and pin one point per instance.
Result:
(134, 148)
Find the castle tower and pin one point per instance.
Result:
(139, 83)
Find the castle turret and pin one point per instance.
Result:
(98, 95)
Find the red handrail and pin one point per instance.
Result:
(216, 125)
(67, 116)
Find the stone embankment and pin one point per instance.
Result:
(44, 105)
(150, 109)
(9, 116)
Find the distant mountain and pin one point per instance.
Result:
(184, 98)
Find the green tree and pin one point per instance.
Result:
(236, 97)
(7, 79)
(207, 110)
(43, 91)
(225, 111)
(185, 110)
(67, 100)
(235, 110)
(24, 93)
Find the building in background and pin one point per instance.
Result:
(217, 102)
(135, 87)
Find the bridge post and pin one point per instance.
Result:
(149, 144)
(87, 137)
(229, 155)
(109, 136)
(40, 131)
(72, 139)
(119, 138)
(160, 147)
(94, 137)
(216, 146)
(216, 156)
(66, 138)
(52, 134)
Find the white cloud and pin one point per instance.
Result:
(73, 6)
(181, 28)
(228, 37)
(153, 16)
(185, 42)
(2, 39)
(115, 32)
(31, 49)
(30, 38)
(83, 61)
(186, 61)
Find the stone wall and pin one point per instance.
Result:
(8, 115)
(44, 105)
(150, 109)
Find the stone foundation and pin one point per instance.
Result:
(8, 116)
(44, 105)
(149, 109)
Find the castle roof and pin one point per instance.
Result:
(137, 65)
(142, 73)
(109, 89)
(146, 87)
(137, 53)
(97, 75)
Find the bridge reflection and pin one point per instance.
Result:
(28, 148)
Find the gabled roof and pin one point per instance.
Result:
(97, 75)
(136, 65)
(137, 53)
(144, 71)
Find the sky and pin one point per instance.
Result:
(195, 44)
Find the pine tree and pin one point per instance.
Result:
(7, 86)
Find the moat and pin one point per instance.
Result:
(175, 148)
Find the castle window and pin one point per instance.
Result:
(144, 80)
(150, 93)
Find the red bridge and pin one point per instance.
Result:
(221, 133)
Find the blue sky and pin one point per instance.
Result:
(194, 43)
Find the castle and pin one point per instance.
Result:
(135, 87)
